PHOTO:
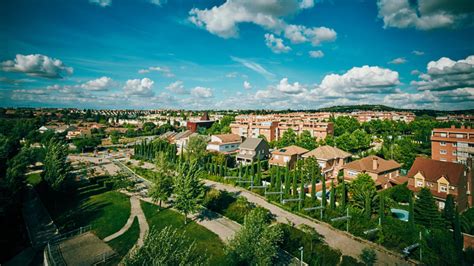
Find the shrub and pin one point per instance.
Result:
(368, 256)
(238, 209)
(350, 261)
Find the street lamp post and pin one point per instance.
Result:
(301, 256)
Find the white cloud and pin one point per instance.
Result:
(177, 87)
(415, 72)
(425, 14)
(201, 92)
(231, 75)
(276, 44)
(247, 85)
(398, 61)
(289, 88)
(164, 70)
(365, 79)
(224, 20)
(253, 66)
(447, 74)
(102, 3)
(158, 2)
(100, 84)
(139, 87)
(416, 52)
(316, 54)
(37, 65)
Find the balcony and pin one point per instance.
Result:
(466, 149)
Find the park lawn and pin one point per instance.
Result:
(33, 179)
(206, 241)
(92, 204)
(125, 242)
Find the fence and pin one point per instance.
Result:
(54, 256)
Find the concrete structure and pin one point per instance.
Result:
(181, 139)
(252, 149)
(224, 143)
(330, 159)
(366, 116)
(204, 122)
(273, 126)
(443, 179)
(452, 144)
(287, 156)
(381, 171)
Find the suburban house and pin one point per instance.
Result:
(382, 171)
(252, 149)
(330, 159)
(442, 178)
(203, 122)
(224, 143)
(287, 156)
(181, 139)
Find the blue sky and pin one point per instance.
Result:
(239, 54)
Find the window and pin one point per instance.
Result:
(442, 143)
(443, 135)
(419, 183)
(442, 151)
(352, 173)
(454, 145)
(441, 205)
(443, 188)
(454, 153)
(459, 136)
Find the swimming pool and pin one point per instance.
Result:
(400, 214)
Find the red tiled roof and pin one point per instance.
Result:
(432, 170)
(290, 150)
(365, 164)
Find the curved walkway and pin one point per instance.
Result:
(136, 211)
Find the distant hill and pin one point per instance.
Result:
(378, 107)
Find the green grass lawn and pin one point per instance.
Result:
(206, 241)
(125, 242)
(33, 179)
(91, 204)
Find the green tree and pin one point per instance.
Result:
(332, 198)
(344, 142)
(162, 188)
(426, 212)
(196, 147)
(368, 256)
(382, 208)
(256, 243)
(343, 194)
(323, 190)
(449, 210)
(411, 212)
(458, 237)
(288, 138)
(166, 247)
(294, 189)
(363, 192)
(306, 141)
(188, 189)
(56, 167)
(17, 166)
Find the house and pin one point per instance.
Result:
(224, 143)
(203, 123)
(252, 149)
(382, 171)
(182, 138)
(443, 179)
(287, 156)
(330, 159)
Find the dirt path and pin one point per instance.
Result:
(136, 211)
(334, 238)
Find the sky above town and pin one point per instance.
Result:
(236, 54)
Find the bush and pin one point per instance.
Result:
(368, 256)
(400, 193)
(238, 209)
(350, 261)
(218, 201)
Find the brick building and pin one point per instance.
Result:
(452, 144)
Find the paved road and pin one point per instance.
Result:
(334, 238)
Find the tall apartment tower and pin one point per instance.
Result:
(452, 144)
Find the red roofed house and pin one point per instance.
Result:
(382, 171)
(442, 178)
(287, 156)
(330, 159)
(224, 143)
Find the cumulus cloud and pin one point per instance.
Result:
(398, 61)
(289, 88)
(224, 20)
(139, 87)
(177, 87)
(253, 66)
(365, 79)
(247, 85)
(158, 2)
(425, 14)
(164, 70)
(316, 54)
(102, 3)
(447, 74)
(201, 92)
(276, 44)
(100, 84)
(37, 65)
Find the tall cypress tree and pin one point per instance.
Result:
(411, 213)
(458, 237)
(343, 194)
(313, 186)
(295, 184)
(278, 181)
(426, 212)
(382, 208)
(302, 192)
(332, 199)
(258, 176)
(448, 212)
(272, 178)
(323, 191)
(287, 181)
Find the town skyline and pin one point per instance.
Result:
(272, 55)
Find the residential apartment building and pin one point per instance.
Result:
(224, 143)
(382, 171)
(452, 144)
(366, 116)
(443, 179)
(273, 126)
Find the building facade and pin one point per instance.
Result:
(452, 144)
(382, 171)
(224, 143)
